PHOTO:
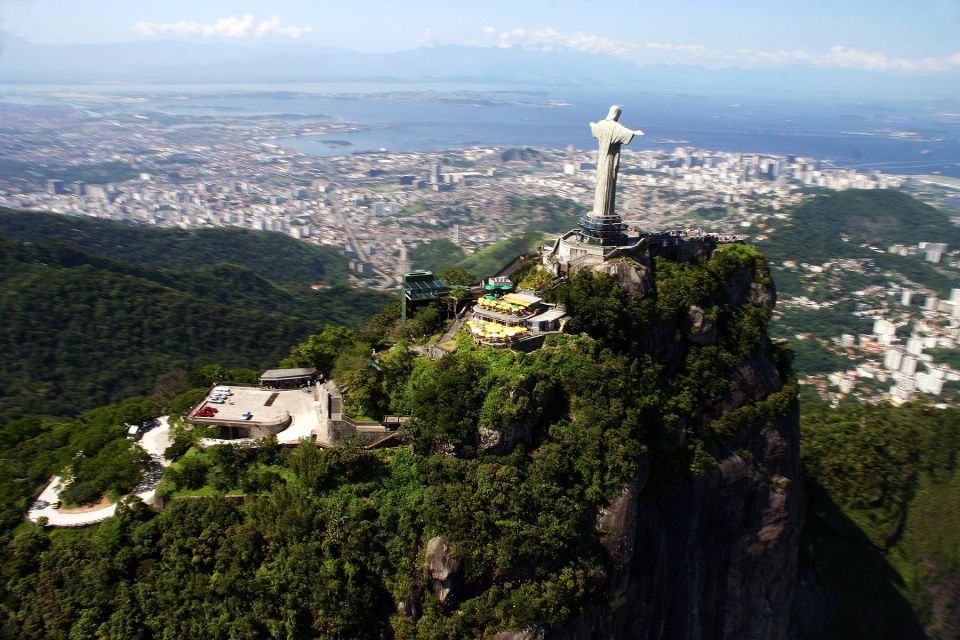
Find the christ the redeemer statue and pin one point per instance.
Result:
(611, 135)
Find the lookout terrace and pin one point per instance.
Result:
(520, 320)
(312, 412)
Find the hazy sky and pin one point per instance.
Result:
(899, 35)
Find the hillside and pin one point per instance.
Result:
(559, 493)
(489, 260)
(274, 256)
(543, 217)
(880, 556)
(838, 243)
(845, 224)
(877, 217)
(82, 330)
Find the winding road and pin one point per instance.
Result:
(154, 442)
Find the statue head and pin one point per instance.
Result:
(614, 113)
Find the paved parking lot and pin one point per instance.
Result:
(267, 406)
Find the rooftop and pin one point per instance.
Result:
(279, 374)
(266, 407)
(549, 315)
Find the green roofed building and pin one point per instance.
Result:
(421, 286)
(498, 283)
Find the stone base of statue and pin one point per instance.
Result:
(593, 242)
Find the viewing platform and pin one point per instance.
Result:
(512, 318)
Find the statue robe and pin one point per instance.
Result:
(611, 135)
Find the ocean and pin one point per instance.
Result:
(895, 137)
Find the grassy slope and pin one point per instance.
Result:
(878, 217)
(491, 259)
(436, 256)
(548, 216)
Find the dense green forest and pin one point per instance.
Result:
(329, 543)
(274, 256)
(85, 329)
(883, 516)
(879, 217)
(436, 255)
(326, 543)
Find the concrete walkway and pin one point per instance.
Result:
(155, 441)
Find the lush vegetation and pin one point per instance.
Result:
(436, 255)
(34, 448)
(858, 225)
(94, 173)
(876, 217)
(522, 154)
(546, 214)
(883, 518)
(84, 329)
(490, 260)
(326, 543)
(273, 256)
(542, 216)
(949, 357)
(844, 224)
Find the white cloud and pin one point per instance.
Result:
(426, 38)
(230, 27)
(549, 39)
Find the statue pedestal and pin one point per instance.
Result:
(573, 251)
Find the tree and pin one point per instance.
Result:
(192, 472)
(321, 349)
(458, 276)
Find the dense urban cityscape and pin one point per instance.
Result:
(378, 207)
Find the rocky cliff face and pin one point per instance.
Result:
(712, 555)
(713, 558)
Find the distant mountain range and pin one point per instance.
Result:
(157, 61)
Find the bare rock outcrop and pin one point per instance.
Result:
(517, 419)
(443, 570)
(762, 295)
(634, 277)
(703, 330)
(525, 634)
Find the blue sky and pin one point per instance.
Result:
(910, 36)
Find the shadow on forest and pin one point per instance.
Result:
(847, 587)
